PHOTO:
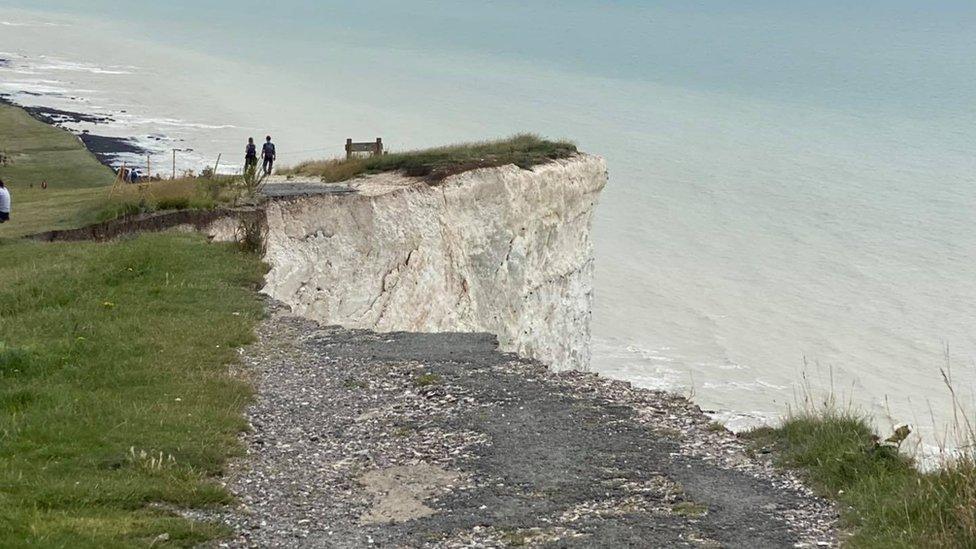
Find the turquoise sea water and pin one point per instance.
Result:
(791, 182)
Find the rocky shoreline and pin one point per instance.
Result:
(105, 148)
(361, 439)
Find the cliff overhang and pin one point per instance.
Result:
(503, 250)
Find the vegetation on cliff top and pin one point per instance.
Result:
(39, 152)
(886, 501)
(77, 184)
(78, 189)
(435, 164)
(114, 389)
(116, 404)
(205, 192)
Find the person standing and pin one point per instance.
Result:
(4, 203)
(250, 156)
(268, 153)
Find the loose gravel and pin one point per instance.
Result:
(361, 439)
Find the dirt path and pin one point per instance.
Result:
(410, 440)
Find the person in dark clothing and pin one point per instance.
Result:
(268, 154)
(250, 156)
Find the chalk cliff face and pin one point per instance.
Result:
(499, 250)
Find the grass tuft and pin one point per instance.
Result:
(190, 193)
(426, 380)
(887, 501)
(252, 233)
(690, 509)
(523, 150)
(13, 360)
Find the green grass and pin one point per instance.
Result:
(886, 501)
(77, 182)
(436, 164)
(426, 380)
(188, 193)
(40, 152)
(35, 210)
(690, 509)
(114, 391)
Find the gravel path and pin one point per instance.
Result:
(418, 440)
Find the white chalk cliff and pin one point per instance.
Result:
(499, 250)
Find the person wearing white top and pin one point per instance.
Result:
(4, 203)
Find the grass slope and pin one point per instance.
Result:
(887, 502)
(188, 193)
(114, 391)
(524, 151)
(77, 182)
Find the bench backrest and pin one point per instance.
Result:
(372, 147)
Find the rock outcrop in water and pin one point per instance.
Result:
(500, 250)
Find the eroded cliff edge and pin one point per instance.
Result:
(500, 250)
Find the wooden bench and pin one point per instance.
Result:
(371, 147)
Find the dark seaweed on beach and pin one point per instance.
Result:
(58, 116)
(103, 146)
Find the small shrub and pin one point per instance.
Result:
(252, 181)
(426, 380)
(252, 235)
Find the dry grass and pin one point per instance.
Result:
(330, 171)
(888, 501)
(193, 193)
(436, 164)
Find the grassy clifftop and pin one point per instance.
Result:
(36, 153)
(114, 391)
(885, 500)
(40, 152)
(438, 163)
(113, 388)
